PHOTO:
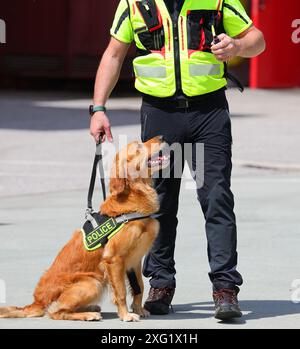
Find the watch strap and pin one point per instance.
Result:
(96, 108)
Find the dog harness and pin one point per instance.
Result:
(99, 229)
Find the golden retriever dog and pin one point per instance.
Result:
(73, 285)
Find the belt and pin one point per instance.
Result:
(184, 103)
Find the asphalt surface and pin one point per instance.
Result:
(45, 161)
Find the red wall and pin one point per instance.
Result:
(55, 38)
(66, 38)
(279, 65)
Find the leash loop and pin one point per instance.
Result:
(98, 162)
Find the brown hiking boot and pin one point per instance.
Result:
(226, 304)
(159, 300)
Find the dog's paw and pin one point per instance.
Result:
(92, 316)
(130, 317)
(142, 312)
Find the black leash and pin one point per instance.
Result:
(98, 160)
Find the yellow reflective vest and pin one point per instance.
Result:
(173, 55)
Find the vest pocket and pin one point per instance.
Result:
(154, 75)
(153, 36)
(203, 74)
(152, 41)
(199, 32)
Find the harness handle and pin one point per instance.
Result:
(98, 160)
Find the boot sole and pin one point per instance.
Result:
(228, 314)
(157, 309)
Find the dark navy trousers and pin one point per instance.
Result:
(208, 122)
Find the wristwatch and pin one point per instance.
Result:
(94, 108)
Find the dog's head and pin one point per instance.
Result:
(135, 164)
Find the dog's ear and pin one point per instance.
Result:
(117, 186)
(118, 181)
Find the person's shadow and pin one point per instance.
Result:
(252, 310)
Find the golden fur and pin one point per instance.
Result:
(76, 278)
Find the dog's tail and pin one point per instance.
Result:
(33, 310)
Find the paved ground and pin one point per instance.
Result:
(45, 160)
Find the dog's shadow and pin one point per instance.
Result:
(252, 309)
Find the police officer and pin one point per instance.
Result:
(180, 69)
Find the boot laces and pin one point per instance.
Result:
(156, 293)
(225, 295)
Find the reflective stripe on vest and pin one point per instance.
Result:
(155, 71)
(150, 72)
(202, 70)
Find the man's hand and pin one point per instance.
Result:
(227, 49)
(249, 43)
(100, 127)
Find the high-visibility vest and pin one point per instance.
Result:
(175, 56)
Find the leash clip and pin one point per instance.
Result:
(89, 217)
(88, 214)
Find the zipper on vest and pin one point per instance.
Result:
(176, 54)
(169, 34)
(182, 37)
